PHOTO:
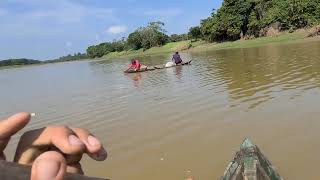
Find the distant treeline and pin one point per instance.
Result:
(23, 61)
(12, 62)
(75, 57)
(253, 18)
(153, 35)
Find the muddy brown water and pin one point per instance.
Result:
(171, 123)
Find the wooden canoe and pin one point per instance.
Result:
(10, 171)
(151, 68)
(250, 164)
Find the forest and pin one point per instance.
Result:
(253, 18)
(234, 20)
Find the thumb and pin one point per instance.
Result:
(11, 126)
(49, 166)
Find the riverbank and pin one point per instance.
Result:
(200, 46)
(27, 62)
(38, 64)
(169, 47)
(282, 38)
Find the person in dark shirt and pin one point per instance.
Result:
(176, 58)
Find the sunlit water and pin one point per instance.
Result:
(171, 123)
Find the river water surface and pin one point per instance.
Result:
(171, 123)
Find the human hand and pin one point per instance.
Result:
(9, 127)
(51, 151)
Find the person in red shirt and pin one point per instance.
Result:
(135, 64)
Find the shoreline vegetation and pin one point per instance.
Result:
(25, 62)
(286, 37)
(202, 46)
(236, 24)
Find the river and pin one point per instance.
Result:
(170, 123)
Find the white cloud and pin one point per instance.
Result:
(70, 12)
(52, 18)
(57, 11)
(117, 29)
(171, 12)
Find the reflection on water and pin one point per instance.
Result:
(178, 71)
(257, 75)
(136, 78)
(166, 123)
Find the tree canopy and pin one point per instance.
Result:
(195, 32)
(237, 18)
(152, 35)
(178, 37)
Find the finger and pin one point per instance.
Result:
(94, 147)
(11, 126)
(75, 168)
(46, 138)
(70, 158)
(49, 166)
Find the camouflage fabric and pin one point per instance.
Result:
(250, 164)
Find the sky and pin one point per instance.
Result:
(47, 29)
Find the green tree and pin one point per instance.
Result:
(237, 18)
(153, 35)
(175, 38)
(135, 40)
(92, 52)
(195, 32)
(294, 13)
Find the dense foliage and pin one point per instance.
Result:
(152, 35)
(12, 62)
(147, 37)
(239, 18)
(75, 57)
(178, 37)
(105, 48)
(195, 33)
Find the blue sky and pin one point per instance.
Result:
(46, 29)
